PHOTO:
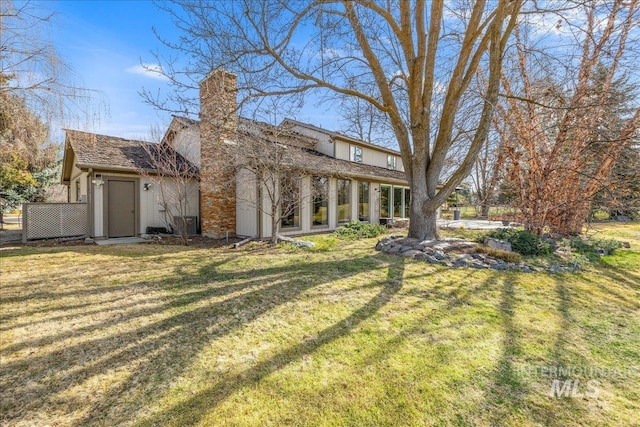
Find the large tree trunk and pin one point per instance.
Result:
(423, 214)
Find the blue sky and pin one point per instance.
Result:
(105, 42)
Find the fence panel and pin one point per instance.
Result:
(51, 220)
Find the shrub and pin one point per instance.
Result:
(593, 246)
(359, 230)
(523, 242)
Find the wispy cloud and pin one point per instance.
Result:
(152, 71)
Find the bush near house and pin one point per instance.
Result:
(359, 230)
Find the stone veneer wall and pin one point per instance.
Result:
(218, 122)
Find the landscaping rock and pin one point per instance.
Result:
(411, 253)
(478, 265)
(500, 245)
(303, 244)
(439, 255)
(452, 252)
(555, 269)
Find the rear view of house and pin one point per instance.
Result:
(337, 178)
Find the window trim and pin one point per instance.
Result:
(353, 153)
(392, 162)
(404, 204)
(348, 193)
(297, 207)
(389, 201)
(326, 201)
(368, 216)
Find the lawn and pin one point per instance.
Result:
(166, 335)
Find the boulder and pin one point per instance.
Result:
(439, 255)
(411, 253)
(500, 245)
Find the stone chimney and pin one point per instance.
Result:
(218, 125)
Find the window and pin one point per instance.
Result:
(344, 200)
(391, 161)
(356, 154)
(78, 190)
(289, 202)
(363, 201)
(397, 202)
(407, 201)
(385, 201)
(320, 188)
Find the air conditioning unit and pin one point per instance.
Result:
(191, 224)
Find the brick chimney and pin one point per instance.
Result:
(218, 123)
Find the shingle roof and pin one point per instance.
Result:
(108, 152)
(314, 162)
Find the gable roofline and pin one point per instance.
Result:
(177, 124)
(337, 135)
(88, 150)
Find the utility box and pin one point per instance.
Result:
(191, 224)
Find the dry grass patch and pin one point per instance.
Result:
(166, 335)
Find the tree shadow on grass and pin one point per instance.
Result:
(194, 409)
(142, 250)
(165, 346)
(508, 390)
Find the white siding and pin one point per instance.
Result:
(333, 203)
(305, 204)
(98, 210)
(374, 201)
(187, 142)
(151, 213)
(324, 144)
(246, 204)
(354, 199)
(342, 150)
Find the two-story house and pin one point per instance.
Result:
(361, 181)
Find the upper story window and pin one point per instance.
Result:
(356, 154)
(392, 161)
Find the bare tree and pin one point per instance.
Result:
(365, 122)
(176, 184)
(274, 161)
(561, 135)
(487, 174)
(413, 62)
(32, 69)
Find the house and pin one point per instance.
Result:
(362, 181)
(115, 177)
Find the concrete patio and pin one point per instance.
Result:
(471, 224)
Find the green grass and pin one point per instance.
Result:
(470, 212)
(167, 335)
